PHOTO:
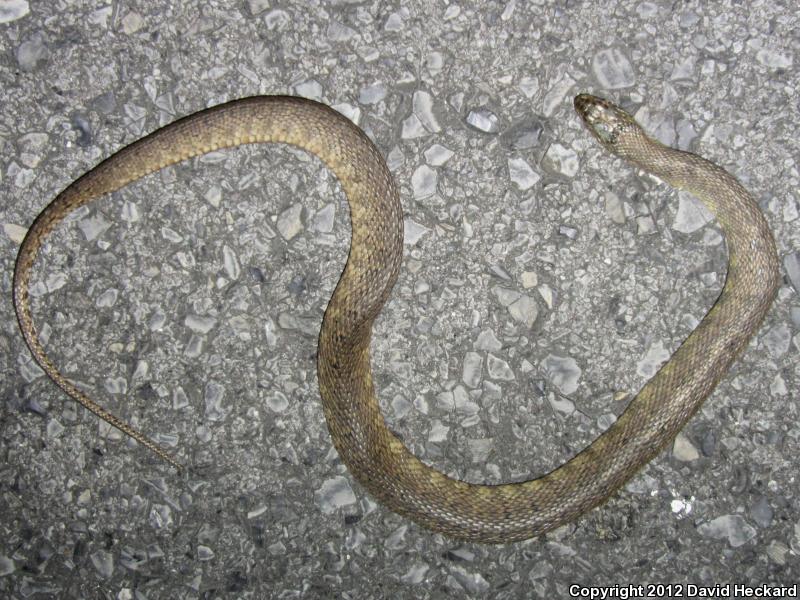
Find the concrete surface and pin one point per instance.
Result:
(543, 283)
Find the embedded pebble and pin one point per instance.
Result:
(412, 128)
(230, 262)
(692, 214)
(522, 174)
(524, 310)
(160, 516)
(11, 10)
(394, 22)
(791, 263)
(157, 319)
(22, 177)
(647, 10)
(778, 339)
(93, 226)
(563, 372)
(258, 6)
(445, 401)
(769, 57)
(606, 420)
(309, 89)
(656, 356)
(547, 294)
(483, 120)
(473, 583)
(400, 406)
(437, 155)
(499, 369)
(133, 560)
(213, 395)
(434, 62)
(200, 324)
(334, 494)
(129, 212)
(372, 94)
(480, 450)
(438, 431)
(681, 506)
(778, 552)
(213, 196)
(31, 52)
(323, 219)
(179, 398)
(567, 231)
(422, 104)
(339, 32)
(562, 160)
(131, 23)
(172, 236)
(107, 299)
(761, 512)
(561, 404)
(529, 86)
(645, 225)
(14, 232)
(289, 223)
(116, 385)
(734, 528)
(54, 428)
(415, 574)
(103, 562)
(683, 449)
(529, 279)
(506, 296)
(277, 401)
(642, 484)
(471, 371)
(612, 69)
(424, 181)
(556, 95)
(487, 341)
(462, 402)
(524, 135)
(6, 565)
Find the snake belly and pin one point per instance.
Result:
(373, 454)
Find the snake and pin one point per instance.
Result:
(373, 454)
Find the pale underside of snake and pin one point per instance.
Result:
(373, 454)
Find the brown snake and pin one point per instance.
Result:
(374, 455)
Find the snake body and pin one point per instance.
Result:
(373, 454)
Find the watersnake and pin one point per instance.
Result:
(372, 453)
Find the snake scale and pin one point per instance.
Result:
(373, 454)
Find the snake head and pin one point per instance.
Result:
(607, 121)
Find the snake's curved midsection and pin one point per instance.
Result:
(371, 451)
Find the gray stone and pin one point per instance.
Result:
(11, 10)
(791, 264)
(734, 528)
(334, 494)
(563, 372)
(521, 174)
(423, 182)
(612, 69)
(692, 214)
(483, 120)
(437, 155)
(30, 52)
(289, 223)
